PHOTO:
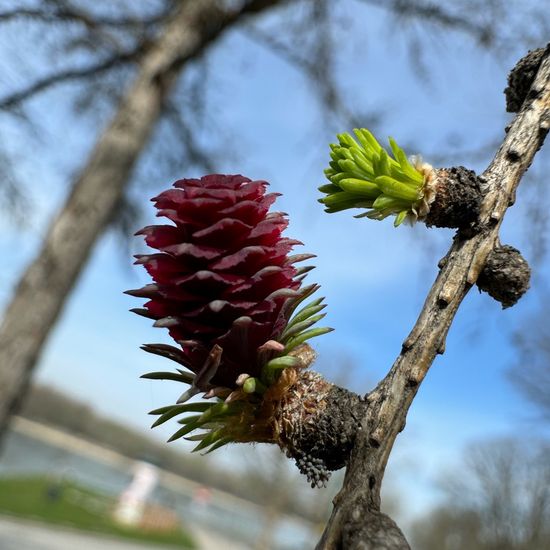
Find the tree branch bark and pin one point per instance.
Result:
(44, 287)
(356, 521)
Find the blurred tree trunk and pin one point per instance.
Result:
(45, 286)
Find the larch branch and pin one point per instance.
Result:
(390, 401)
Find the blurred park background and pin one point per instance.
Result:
(261, 90)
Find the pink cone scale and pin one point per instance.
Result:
(225, 285)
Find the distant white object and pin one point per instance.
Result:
(132, 500)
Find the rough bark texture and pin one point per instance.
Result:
(457, 199)
(373, 530)
(43, 289)
(356, 522)
(506, 275)
(520, 79)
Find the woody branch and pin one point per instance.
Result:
(356, 521)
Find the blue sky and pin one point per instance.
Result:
(375, 277)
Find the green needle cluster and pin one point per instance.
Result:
(212, 417)
(364, 175)
(298, 331)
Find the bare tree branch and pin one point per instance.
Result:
(64, 13)
(99, 30)
(15, 99)
(249, 7)
(434, 13)
(196, 154)
(14, 202)
(389, 402)
(312, 68)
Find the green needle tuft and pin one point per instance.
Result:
(363, 175)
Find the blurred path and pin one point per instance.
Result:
(16, 534)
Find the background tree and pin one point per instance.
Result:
(498, 498)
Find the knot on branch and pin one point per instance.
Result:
(374, 531)
(317, 424)
(506, 275)
(521, 78)
(457, 199)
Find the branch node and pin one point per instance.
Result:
(478, 262)
(457, 199)
(513, 155)
(521, 78)
(445, 297)
(505, 276)
(408, 343)
(374, 442)
(372, 482)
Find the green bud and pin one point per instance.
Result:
(363, 175)
(254, 385)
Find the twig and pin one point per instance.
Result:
(196, 153)
(356, 521)
(67, 14)
(326, 87)
(436, 14)
(17, 98)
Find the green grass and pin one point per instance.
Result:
(77, 507)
